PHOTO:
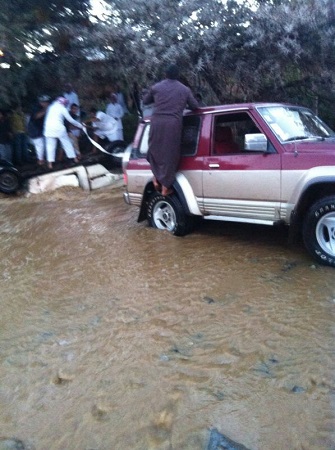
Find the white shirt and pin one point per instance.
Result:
(121, 101)
(72, 97)
(115, 110)
(54, 120)
(106, 126)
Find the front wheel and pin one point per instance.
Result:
(167, 213)
(319, 231)
(9, 182)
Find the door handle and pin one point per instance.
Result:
(214, 166)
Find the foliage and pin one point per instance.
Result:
(233, 50)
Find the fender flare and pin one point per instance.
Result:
(183, 191)
(186, 195)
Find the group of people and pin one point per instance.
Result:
(59, 121)
(51, 123)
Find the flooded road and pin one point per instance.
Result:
(116, 336)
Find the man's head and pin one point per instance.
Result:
(68, 88)
(63, 101)
(113, 98)
(93, 113)
(172, 72)
(74, 108)
(44, 100)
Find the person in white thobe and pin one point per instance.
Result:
(104, 126)
(54, 128)
(71, 96)
(115, 110)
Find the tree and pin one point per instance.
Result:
(32, 29)
(233, 50)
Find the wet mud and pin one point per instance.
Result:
(116, 336)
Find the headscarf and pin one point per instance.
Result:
(62, 100)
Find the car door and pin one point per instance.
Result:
(241, 181)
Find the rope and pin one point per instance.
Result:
(98, 146)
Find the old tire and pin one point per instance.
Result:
(167, 213)
(319, 231)
(9, 181)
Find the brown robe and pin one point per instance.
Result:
(170, 98)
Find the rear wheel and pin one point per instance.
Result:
(319, 231)
(167, 213)
(9, 182)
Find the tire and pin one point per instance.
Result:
(9, 182)
(166, 213)
(319, 231)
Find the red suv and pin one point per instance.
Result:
(263, 163)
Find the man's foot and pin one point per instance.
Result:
(166, 191)
(157, 185)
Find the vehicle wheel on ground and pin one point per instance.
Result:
(9, 182)
(319, 231)
(167, 213)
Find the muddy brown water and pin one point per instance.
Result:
(116, 336)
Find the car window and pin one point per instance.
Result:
(231, 131)
(190, 135)
(189, 139)
(291, 123)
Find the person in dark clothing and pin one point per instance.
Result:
(35, 127)
(20, 139)
(137, 99)
(170, 98)
(6, 137)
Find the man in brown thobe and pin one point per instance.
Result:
(170, 98)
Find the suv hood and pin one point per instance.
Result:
(316, 145)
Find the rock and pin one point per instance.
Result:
(298, 389)
(218, 441)
(11, 444)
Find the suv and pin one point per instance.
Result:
(263, 163)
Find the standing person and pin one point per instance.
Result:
(54, 129)
(121, 98)
(136, 97)
(20, 140)
(36, 125)
(6, 137)
(71, 96)
(170, 98)
(115, 110)
(73, 131)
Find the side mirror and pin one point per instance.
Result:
(255, 142)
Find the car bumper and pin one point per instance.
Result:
(126, 198)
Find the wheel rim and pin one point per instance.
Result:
(325, 233)
(164, 216)
(8, 181)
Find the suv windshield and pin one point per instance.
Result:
(290, 123)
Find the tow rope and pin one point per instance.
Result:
(98, 146)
